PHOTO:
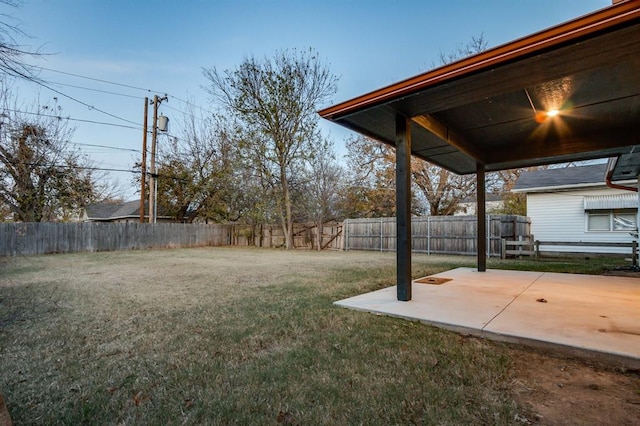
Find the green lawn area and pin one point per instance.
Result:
(239, 336)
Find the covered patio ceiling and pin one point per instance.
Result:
(493, 111)
(490, 109)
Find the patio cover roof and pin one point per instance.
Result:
(488, 109)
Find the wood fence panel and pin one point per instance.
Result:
(28, 239)
(445, 234)
(434, 234)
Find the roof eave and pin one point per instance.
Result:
(552, 37)
(553, 188)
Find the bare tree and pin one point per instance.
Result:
(442, 189)
(12, 53)
(475, 45)
(276, 100)
(322, 186)
(372, 171)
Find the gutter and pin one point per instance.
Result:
(553, 188)
(611, 164)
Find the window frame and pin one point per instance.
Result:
(611, 214)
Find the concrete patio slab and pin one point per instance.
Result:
(590, 316)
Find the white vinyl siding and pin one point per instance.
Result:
(561, 216)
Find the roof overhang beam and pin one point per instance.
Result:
(453, 138)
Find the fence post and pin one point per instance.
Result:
(429, 234)
(537, 249)
(520, 247)
(345, 234)
(489, 235)
(503, 253)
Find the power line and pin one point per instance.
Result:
(126, 86)
(137, 151)
(106, 146)
(96, 90)
(66, 166)
(75, 119)
(168, 135)
(92, 168)
(102, 81)
(91, 107)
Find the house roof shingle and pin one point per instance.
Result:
(564, 177)
(101, 211)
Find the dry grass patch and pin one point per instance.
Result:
(226, 335)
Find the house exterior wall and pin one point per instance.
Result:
(560, 216)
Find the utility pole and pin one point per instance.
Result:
(144, 159)
(152, 172)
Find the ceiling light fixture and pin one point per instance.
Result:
(540, 116)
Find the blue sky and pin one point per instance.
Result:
(162, 46)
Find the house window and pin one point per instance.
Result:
(623, 220)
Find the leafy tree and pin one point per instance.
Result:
(370, 188)
(196, 172)
(276, 100)
(41, 177)
(513, 203)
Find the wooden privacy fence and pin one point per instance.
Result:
(435, 234)
(30, 239)
(43, 238)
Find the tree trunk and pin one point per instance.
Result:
(290, 244)
(319, 230)
(287, 226)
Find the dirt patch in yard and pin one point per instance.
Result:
(563, 391)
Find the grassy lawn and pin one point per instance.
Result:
(238, 336)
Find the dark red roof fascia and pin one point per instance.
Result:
(603, 19)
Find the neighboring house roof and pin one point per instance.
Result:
(566, 177)
(110, 211)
